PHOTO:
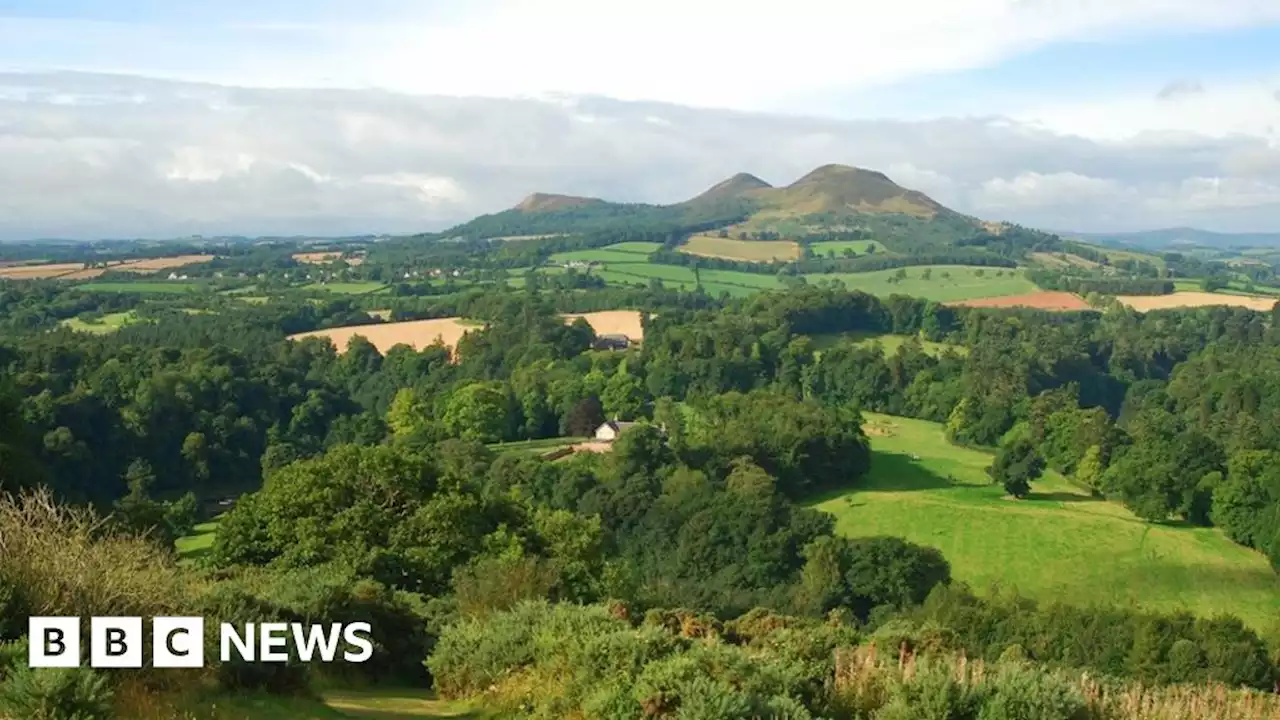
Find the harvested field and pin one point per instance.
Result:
(1060, 301)
(422, 333)
(749, 250)
(324, 258)
(41, 272)
(418, 334)
(1143, 303)
(166, 263)
(613, 322)
(77, 271)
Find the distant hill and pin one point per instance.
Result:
(544, 202)
(1169, 238)
(831, 198)
(741, 185)
(842, 189)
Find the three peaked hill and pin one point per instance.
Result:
(831, 198)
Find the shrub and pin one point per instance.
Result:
(55, 694)
(1020, 692)
(12, 655)
(929, 690)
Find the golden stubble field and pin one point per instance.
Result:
(420, 334)
(77, 271)
(1144, 303)
(749, 250)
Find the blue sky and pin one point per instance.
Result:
(1097, 114)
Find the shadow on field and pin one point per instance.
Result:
(1061, 497)
(899, 472)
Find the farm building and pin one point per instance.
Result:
(612, 429)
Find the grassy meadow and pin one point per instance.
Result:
(889, 343)
(348, 288)
(1058, 544)
(946, 283)
(109, 323)
(172, 288)
(837, 247)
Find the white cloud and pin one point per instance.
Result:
(1217, 110)
(726, 53)
(201, 158)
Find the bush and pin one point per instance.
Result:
(55, 694)
(930, 691)
(1025, 693)
(12, 655)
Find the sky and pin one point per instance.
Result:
(156, 118)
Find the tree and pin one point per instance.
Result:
(586, 415)
(1016, 466)
(623, 396)
(407, 417)
(479, 411)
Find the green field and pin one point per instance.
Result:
(110, 323)
(824, 249)
(888, 342)
(545, 444)
(1059, 544)
(349, 288)
(637, 247)
(964, 282)
(599, 255)
(196, 545)
(173, 288)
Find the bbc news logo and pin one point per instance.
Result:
(178, 642)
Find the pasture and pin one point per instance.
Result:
(1145, 303)
(1060, 544)
(1048, 300)
(78, 271)
(836, 248)
(889, 343)
(160, 288)
(749, 250)
(945, 283)
(348, 288)
(109, 323)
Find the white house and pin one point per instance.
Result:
(612, 430)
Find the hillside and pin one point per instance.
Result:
(739, 186)
(842, 189)
(1180, 237)
(544, 202)
(830, 199)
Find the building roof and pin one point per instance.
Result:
(616, 425)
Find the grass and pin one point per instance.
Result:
(826, 249)
(599, 255)
(348, 288)
(172, 288)
(888, 342)
(1059, 544)
(196, 545)
(964, 282)
(110, 323)
(536, 445)
(381, 704)
(749, 250)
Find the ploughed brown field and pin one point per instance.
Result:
(1143, 303)
(423, 333)
(1048, 300)
(77, 271)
